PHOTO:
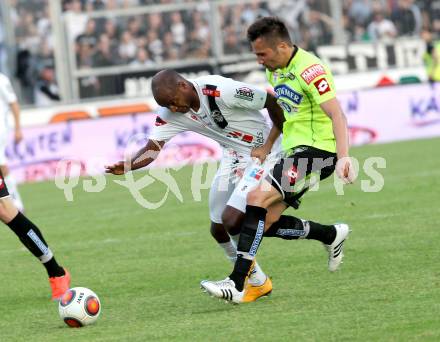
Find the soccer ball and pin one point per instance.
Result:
(79, 306)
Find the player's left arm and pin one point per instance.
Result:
(344, 167)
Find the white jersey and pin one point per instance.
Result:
(236, 123)
(7, 96)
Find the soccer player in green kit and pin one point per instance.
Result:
(315, 139)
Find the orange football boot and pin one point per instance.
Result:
(252, 292)
(59, 285)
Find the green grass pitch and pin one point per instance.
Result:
(146, 265)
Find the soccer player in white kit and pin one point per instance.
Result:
(228, 112)
(28, 233)
(9, 103)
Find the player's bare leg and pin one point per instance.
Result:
(274, 212)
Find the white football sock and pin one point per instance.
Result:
(257, 277)
(230, 250)
(13, 191)
(235, 238)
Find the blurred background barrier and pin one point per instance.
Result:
(389, 114)
(77, 142)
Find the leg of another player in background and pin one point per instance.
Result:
(33, 240)
(221, 189)
(220, 235)
(217, 201)
(12, 187)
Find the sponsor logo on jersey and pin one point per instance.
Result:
(160, 121)
(285, 106)
(289, 75)
(260, 139)
(244, 93)
(312, 72)
(211, 92)
(322, 86)
(256, 173)
(284, 91)
(194, 117)
(248, 138)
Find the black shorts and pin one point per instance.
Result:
(294, 175)
(3, 189)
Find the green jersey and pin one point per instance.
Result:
(300, 88)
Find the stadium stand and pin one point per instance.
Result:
(180, 31)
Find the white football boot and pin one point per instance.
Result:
(335, 250)
(223, 289)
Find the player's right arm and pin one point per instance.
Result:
(145, 156)
(344, 167)
(321, 87)
(167, 126)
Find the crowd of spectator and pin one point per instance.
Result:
(369, 20)
(144, 39)
(153, 38)
(35, 63)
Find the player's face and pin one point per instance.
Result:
(178, 102)
(267, 54)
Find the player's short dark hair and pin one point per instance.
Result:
(268, 27)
